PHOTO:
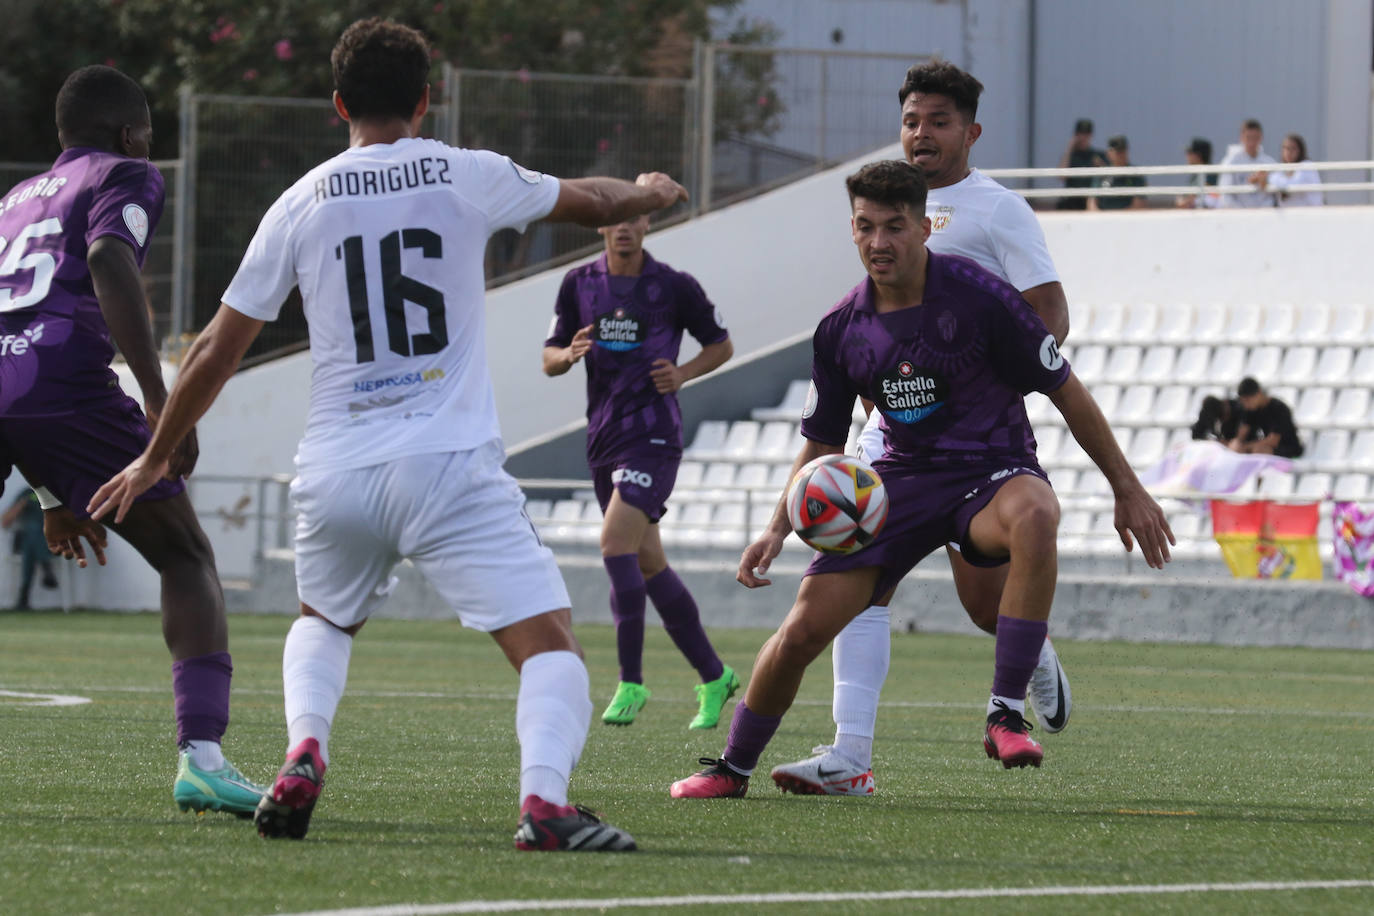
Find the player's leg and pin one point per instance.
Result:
(622, 530)
(825, 603)
(980, 591)
(28, 565)
(1020, 522)
(682, 622)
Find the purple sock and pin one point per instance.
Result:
(682, 621)
(627, 607)
(749, 735)
(200, 686)
(1018, 652)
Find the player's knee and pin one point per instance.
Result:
(800, 642)
(1034, 526)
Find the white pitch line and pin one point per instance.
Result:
(966, 893)
(43, 699)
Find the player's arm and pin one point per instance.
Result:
(558, 360)
(669, 377)
(209, 363)
(606, 201)
(1052, 306)
(1136, 511)
(119, 290)
(61, 528)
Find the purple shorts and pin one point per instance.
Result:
(645, 483)
(926, 509)
(74, 455)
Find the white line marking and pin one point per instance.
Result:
(43, 699)
(966, 893)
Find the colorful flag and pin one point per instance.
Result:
(1354, 547)
(1267, 540)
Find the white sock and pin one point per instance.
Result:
(1018, 705)
(206, 755)
(861, 655)
(552, 713)
(314, 669)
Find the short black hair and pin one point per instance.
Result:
(1248, 387)
(943, 78)
(380, 68)
(1251, 124)
(95, 103)
(893, 182)
(1119, 142)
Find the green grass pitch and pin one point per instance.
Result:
(1182, 764)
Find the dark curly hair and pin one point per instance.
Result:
(380, 68)
(95, 103)
(943, 78)
(893, 183)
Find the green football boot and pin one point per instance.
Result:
(224, 789)
(711, 698)
(629, 699)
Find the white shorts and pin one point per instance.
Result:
(457, 516)
(871, 446)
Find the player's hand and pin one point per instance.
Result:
(669, 192)
(1137, 513)
(119, 492)
(64, 532)
(757, 557)
(581, 343)
(184, 457)
(666, 375)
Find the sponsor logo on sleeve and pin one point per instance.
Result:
(136, 219)
(813, 397)
(528, 176)
(720, 318)
(1050, 357)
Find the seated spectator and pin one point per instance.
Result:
(1266, 424)
(1199, 152)
(1219, 419)
(1119, 155)
(1080, 154)
(1248, 151)
(1294, 151)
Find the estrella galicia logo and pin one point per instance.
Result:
(619, 330)
(909, 394)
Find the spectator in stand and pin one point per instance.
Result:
(1247, 152)
(1266, 423)
(25, 516)
(1119, 155)
(1199, 152)
(1293, 151)
(1218, 420)
(1079, 155)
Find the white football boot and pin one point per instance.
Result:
(827, 773)
(1049, 691)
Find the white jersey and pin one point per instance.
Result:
(386, 243)
(990, 225)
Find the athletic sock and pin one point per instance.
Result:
(200, 691)
(314, 670)
(552, 713)
(205, 754)
(627, 607)
(682, 622)
(749, 735)
(860, 658)
(1018, 652)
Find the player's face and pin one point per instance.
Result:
(627, 238)
(891, 241)
(137, 139)
(1250, 138)
(936, 138)
(1290, 150)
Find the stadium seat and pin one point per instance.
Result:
(566, 510)
(790, 407)
(1242, 326)
(1278, 323)
(1071, 455)
(728, 530)
(1137, 405)
(1350, 487)
(1362, 372)
(1362, 450)
(709, 440)
(1276, 484)
(1330, 451)
(1191, 366)
(1107, 319)
(689, 474)
(1064, 480)
(720, 475)
(1313, 406)
(1348, 324)
(1087, 362)
(1039, 409)
(1157, 368)
(779, 477)
(1074, 526)
(1209, 323)
(1107, 397)
(1147, 446)
(1263, 363)
(1312, 322)
(753, 475)
(1103, 539)
(1092, 482)
(1298, 365)
(691, 527)
(1175, 323)
(1172, 405)
(1288, 394)
(539, 510)
(759, 517)
(1047, 441)
(1351, 408)
(1141, 320)
(1314, 485)
(779, 440)
(1227, 365)
(741, 443)
(1333, 366)
(1123, 365)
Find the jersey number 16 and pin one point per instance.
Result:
(397, 290)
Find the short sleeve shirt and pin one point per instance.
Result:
(993, 226)
(635, 321)
(54, 344)
(948, 375)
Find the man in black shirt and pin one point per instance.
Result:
(1266, 423)
(1219, 419)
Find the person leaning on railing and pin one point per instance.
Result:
(1294, 151)
(1119, 155)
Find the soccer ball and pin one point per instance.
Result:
(837, 504)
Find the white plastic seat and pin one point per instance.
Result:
(1191, 366)
(759, 517)
(1263, 363)
(1157, 367)
(719, 476)
(566, 510)
(1314, 485)
(1351, 408)
(710, 438)
(1350, 487)
(1209, 324)
(1361, 454)
(1136, 406)
(1172, 405)
(1071, 455)
(741, 443)
(728, 527)
(1312, 322)
(1147, 446)
(754, 474)
(689, 474)
(1275, 484)
(539, 510)
(691, 527)
(1064, 480)
(1227, 365)
(790, 407)
(779, 477)
(1103, 539)
(1175, 323)
(1107, 319)
(1362, 372)
(1348, 324)
(777, 440)
(1244, 323)
(1141, 321)
(1298, 365)
(1092, 482)
(1106, 397)
(1123, 365)
(1047, 441)
(1314, 406)
(1087, 362)
(1329, 452)
(1333, 366)
(1039, 409)
(1288, 394)
(1278, 323)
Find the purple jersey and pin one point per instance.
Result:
(948, 374)
(634, 322)
(55, 349)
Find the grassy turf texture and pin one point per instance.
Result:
(1182, 764)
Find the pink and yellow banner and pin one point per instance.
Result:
(1267, 540)
(1353, 545)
